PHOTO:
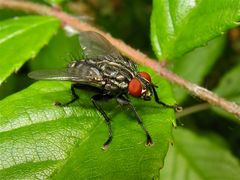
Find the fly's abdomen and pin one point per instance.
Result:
(116, 77)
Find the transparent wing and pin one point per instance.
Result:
(61, 74)
(95, 45)
(83, 75)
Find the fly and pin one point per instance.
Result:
(110, 74)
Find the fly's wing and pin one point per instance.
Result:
(53, 74)
(84, 75)
(95, 45)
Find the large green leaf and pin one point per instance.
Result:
(229, 89)
(195, 65)
(178, 26)
(199, 156)
(21, 39)
(39, 140)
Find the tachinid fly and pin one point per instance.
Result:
(108, 72)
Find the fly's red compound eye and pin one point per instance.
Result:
(135, 87)
(146, 76)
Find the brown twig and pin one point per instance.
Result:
(136, 55)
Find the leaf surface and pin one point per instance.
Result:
(178, 26)
(21, 39)
(199, 157)
(40, 140)
(194, 66)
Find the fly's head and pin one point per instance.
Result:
(141, 86)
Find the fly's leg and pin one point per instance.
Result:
(176, 107)
(124, 101)
(74, 96)
(94, 100)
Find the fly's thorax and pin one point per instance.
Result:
(116, 78)
(115, 74)
(116, 86)
(114, 68)
(110, 76)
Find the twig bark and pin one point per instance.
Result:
(135, 55)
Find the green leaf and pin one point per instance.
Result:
(199, 156)
(229, 89)
(21, 39)
(178, 26)
(203, 58)
(40, 140)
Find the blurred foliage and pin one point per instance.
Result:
(124, 19)
(214, 66)
(199, 161)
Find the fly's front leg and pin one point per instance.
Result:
(176, 107)
(124, 101)
(94, 99)
(74, 96)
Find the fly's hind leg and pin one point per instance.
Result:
(74, 96)
(94, 100)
